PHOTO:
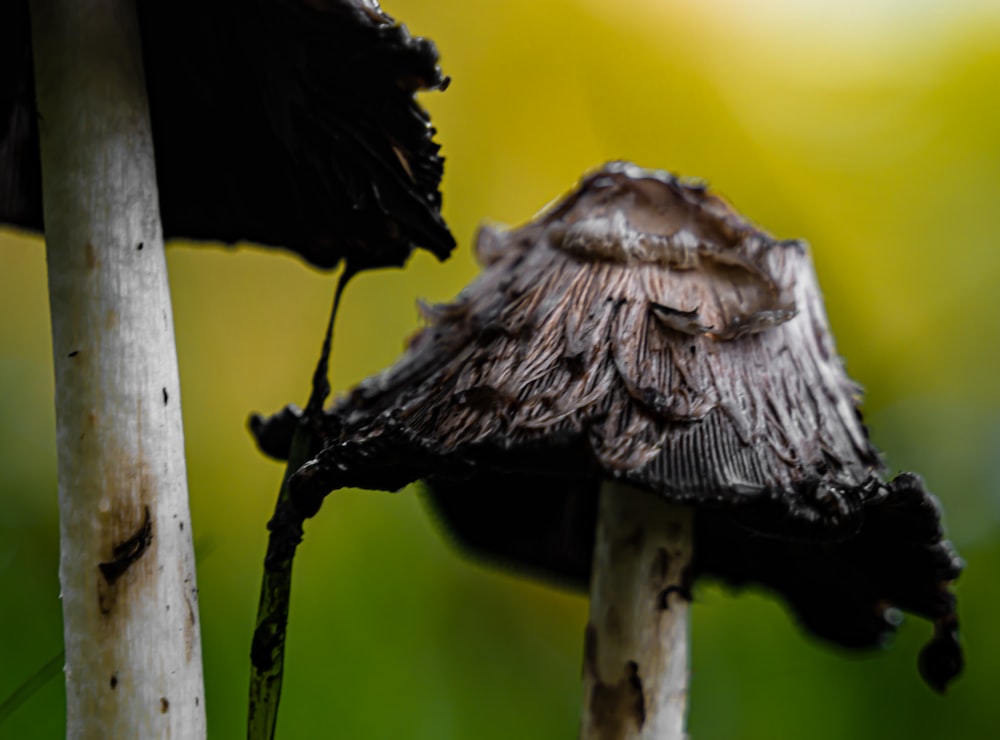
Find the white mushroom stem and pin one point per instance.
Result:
(130, 601)
(635, 672)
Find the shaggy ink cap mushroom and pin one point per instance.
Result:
(288, 123)
(641, 330)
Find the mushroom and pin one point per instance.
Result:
(642, 389)
(291, 123)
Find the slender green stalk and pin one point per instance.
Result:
(32, 684)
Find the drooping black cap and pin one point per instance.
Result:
(289, 123)
(642, 330)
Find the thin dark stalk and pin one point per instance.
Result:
(267, 653)
(32, 684)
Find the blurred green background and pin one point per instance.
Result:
(870, 128)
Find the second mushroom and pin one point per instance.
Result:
(642, 389)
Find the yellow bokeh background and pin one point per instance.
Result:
(871, 129)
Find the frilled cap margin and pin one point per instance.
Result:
(289, 123)
(641, 329)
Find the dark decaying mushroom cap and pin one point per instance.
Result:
(289, 123)
(642, 330)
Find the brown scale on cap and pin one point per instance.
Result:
(640, 329)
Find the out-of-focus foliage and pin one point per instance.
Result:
(870, 129)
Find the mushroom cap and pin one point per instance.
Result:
(289, 123)
(640, 329)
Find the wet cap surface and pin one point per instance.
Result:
(288, 123)
(640, 329)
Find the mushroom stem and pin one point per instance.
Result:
(635, 669)
(127, 570)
